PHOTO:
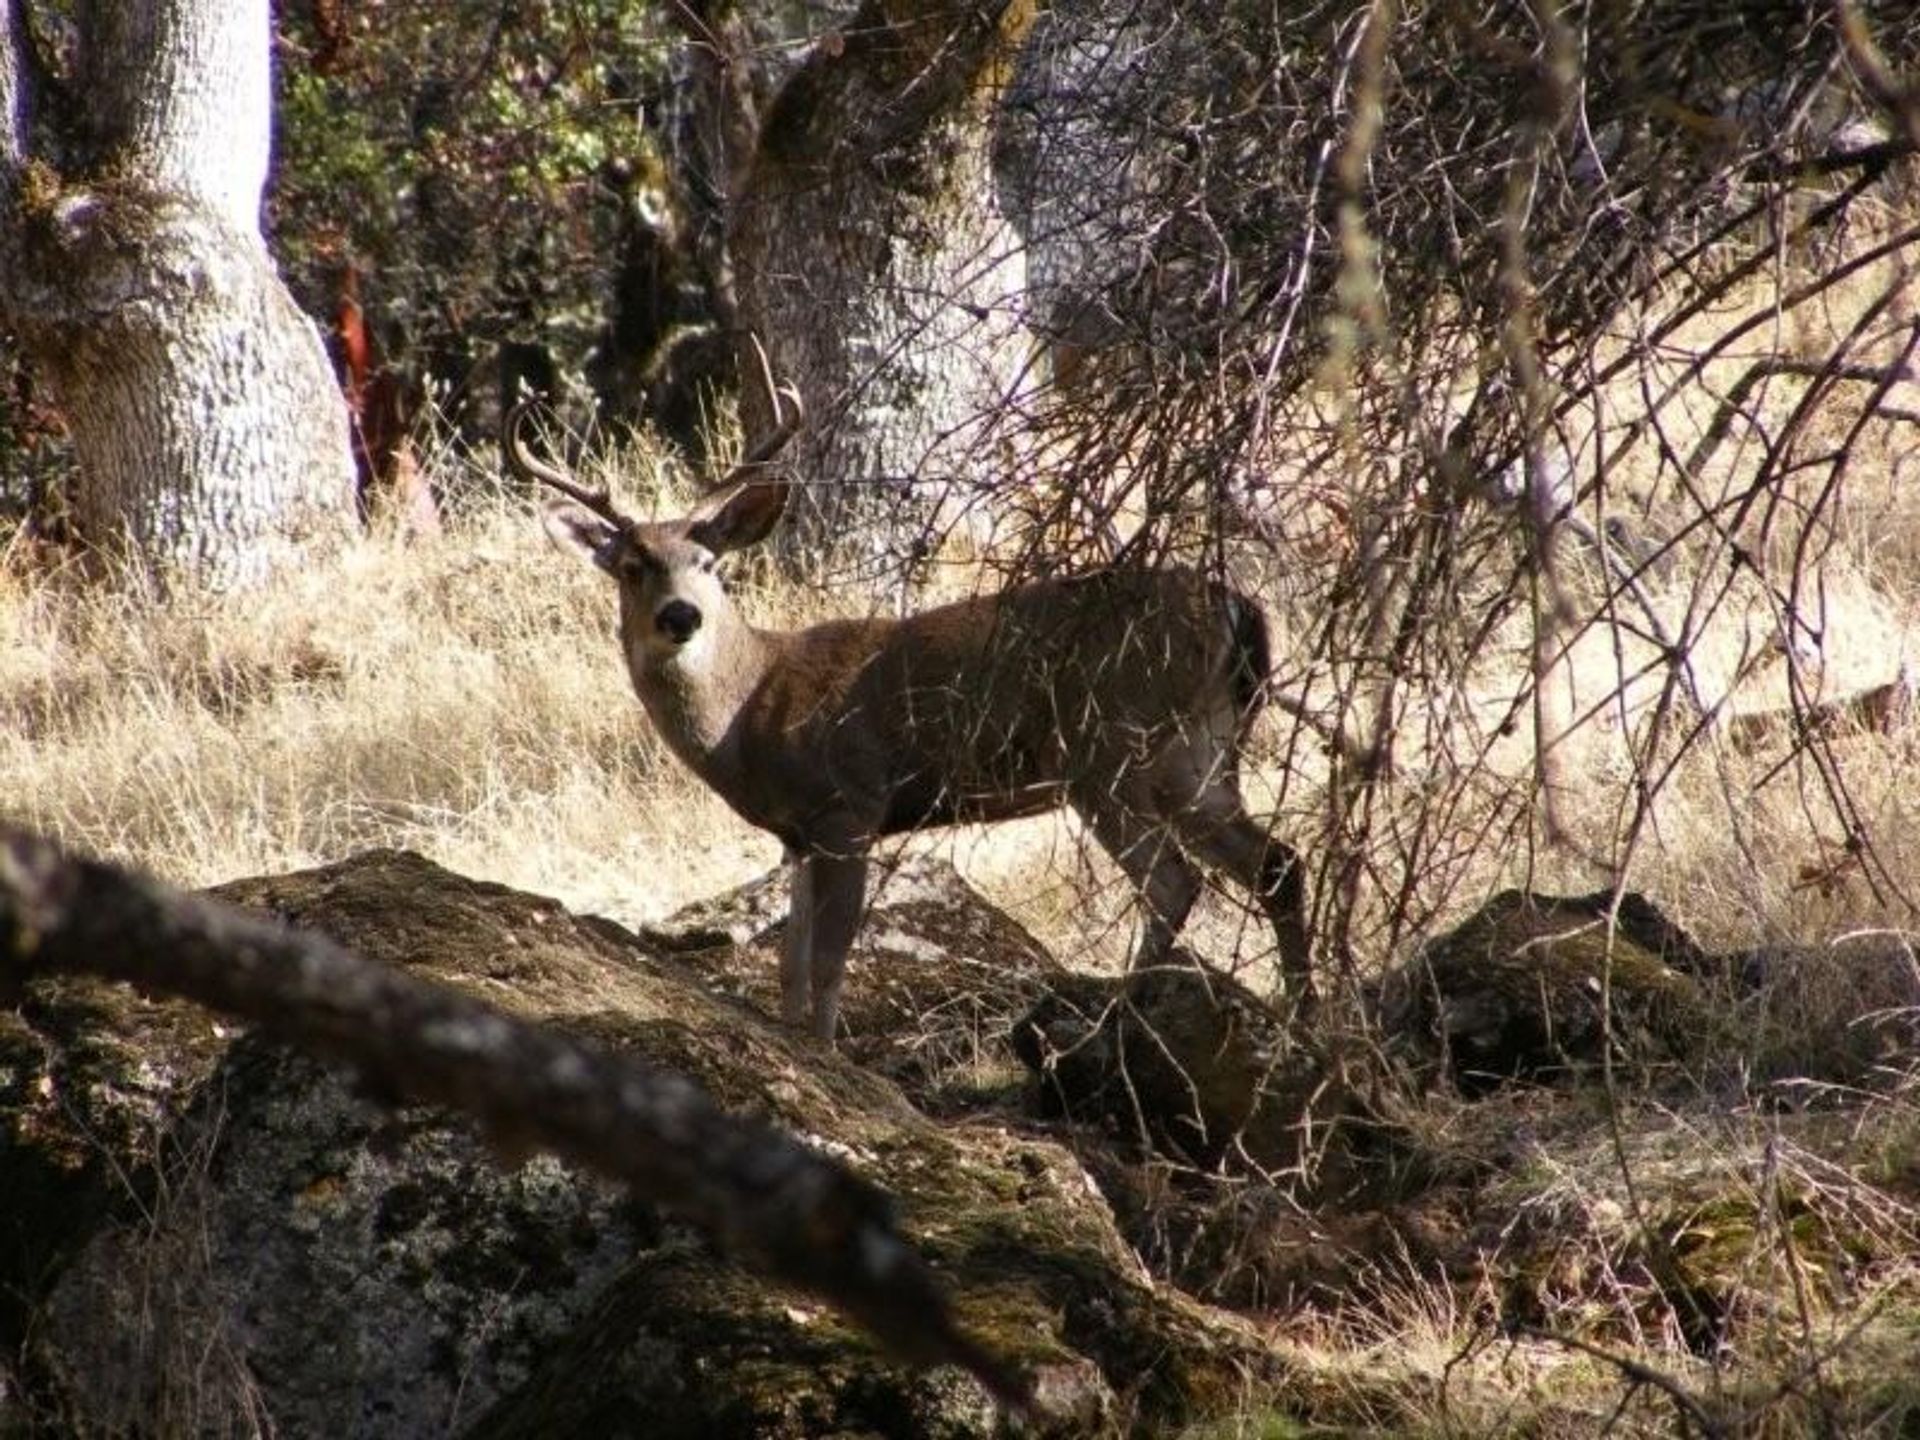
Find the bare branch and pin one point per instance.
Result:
(1900, 97)
(1878, 710)
(791, 1213)
(1692, 1411)
(1674, 653)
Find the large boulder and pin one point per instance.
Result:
(1182, 1060)
(936, 981)
(211, 1233)
(1538, 987)
(1226, 1140)
(1813, 1019)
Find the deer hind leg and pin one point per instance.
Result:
(1217, 829)
(1162, 876)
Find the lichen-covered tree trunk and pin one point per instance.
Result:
(211, 437)
(873, 262)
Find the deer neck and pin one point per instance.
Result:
(695, 697)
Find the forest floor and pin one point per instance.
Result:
(461, 695)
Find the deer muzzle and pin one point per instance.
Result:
(677, 620)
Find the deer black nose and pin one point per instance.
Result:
(677, 620)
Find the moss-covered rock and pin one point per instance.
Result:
(1181, 1059)
(90, 1078)
(1539, 987)
(1844, 1014)
(936, 982)
(301, 1257)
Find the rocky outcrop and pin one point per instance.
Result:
(1181, 1060)
(1537, 987)
(205, 1232)
(201, 1231)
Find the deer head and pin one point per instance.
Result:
(669, 593)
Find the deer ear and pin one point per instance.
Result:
(740, 515)
(576, 529)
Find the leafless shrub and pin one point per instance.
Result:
(1524, 352)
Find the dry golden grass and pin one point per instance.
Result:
(459, 696)
(462, 696)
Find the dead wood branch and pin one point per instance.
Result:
(787, 1211)
(1692, 1413)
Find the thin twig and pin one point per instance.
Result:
(1690, 1406)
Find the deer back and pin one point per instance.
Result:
(993, 707)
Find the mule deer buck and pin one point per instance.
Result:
(1125, 693)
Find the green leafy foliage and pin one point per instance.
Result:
(472, 163)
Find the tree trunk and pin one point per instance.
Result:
(211, 436)
(873, 263)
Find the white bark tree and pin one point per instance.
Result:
(872, 260)
(210, 434)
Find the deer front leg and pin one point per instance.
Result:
(839, 897)
(797, 945)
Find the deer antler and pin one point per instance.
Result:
(522, 463)
(784, 424)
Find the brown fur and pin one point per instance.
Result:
(1126, 694)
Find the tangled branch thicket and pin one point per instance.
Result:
(1509, 345)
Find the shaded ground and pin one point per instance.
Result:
(206, 1232)
(1550, 1134)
